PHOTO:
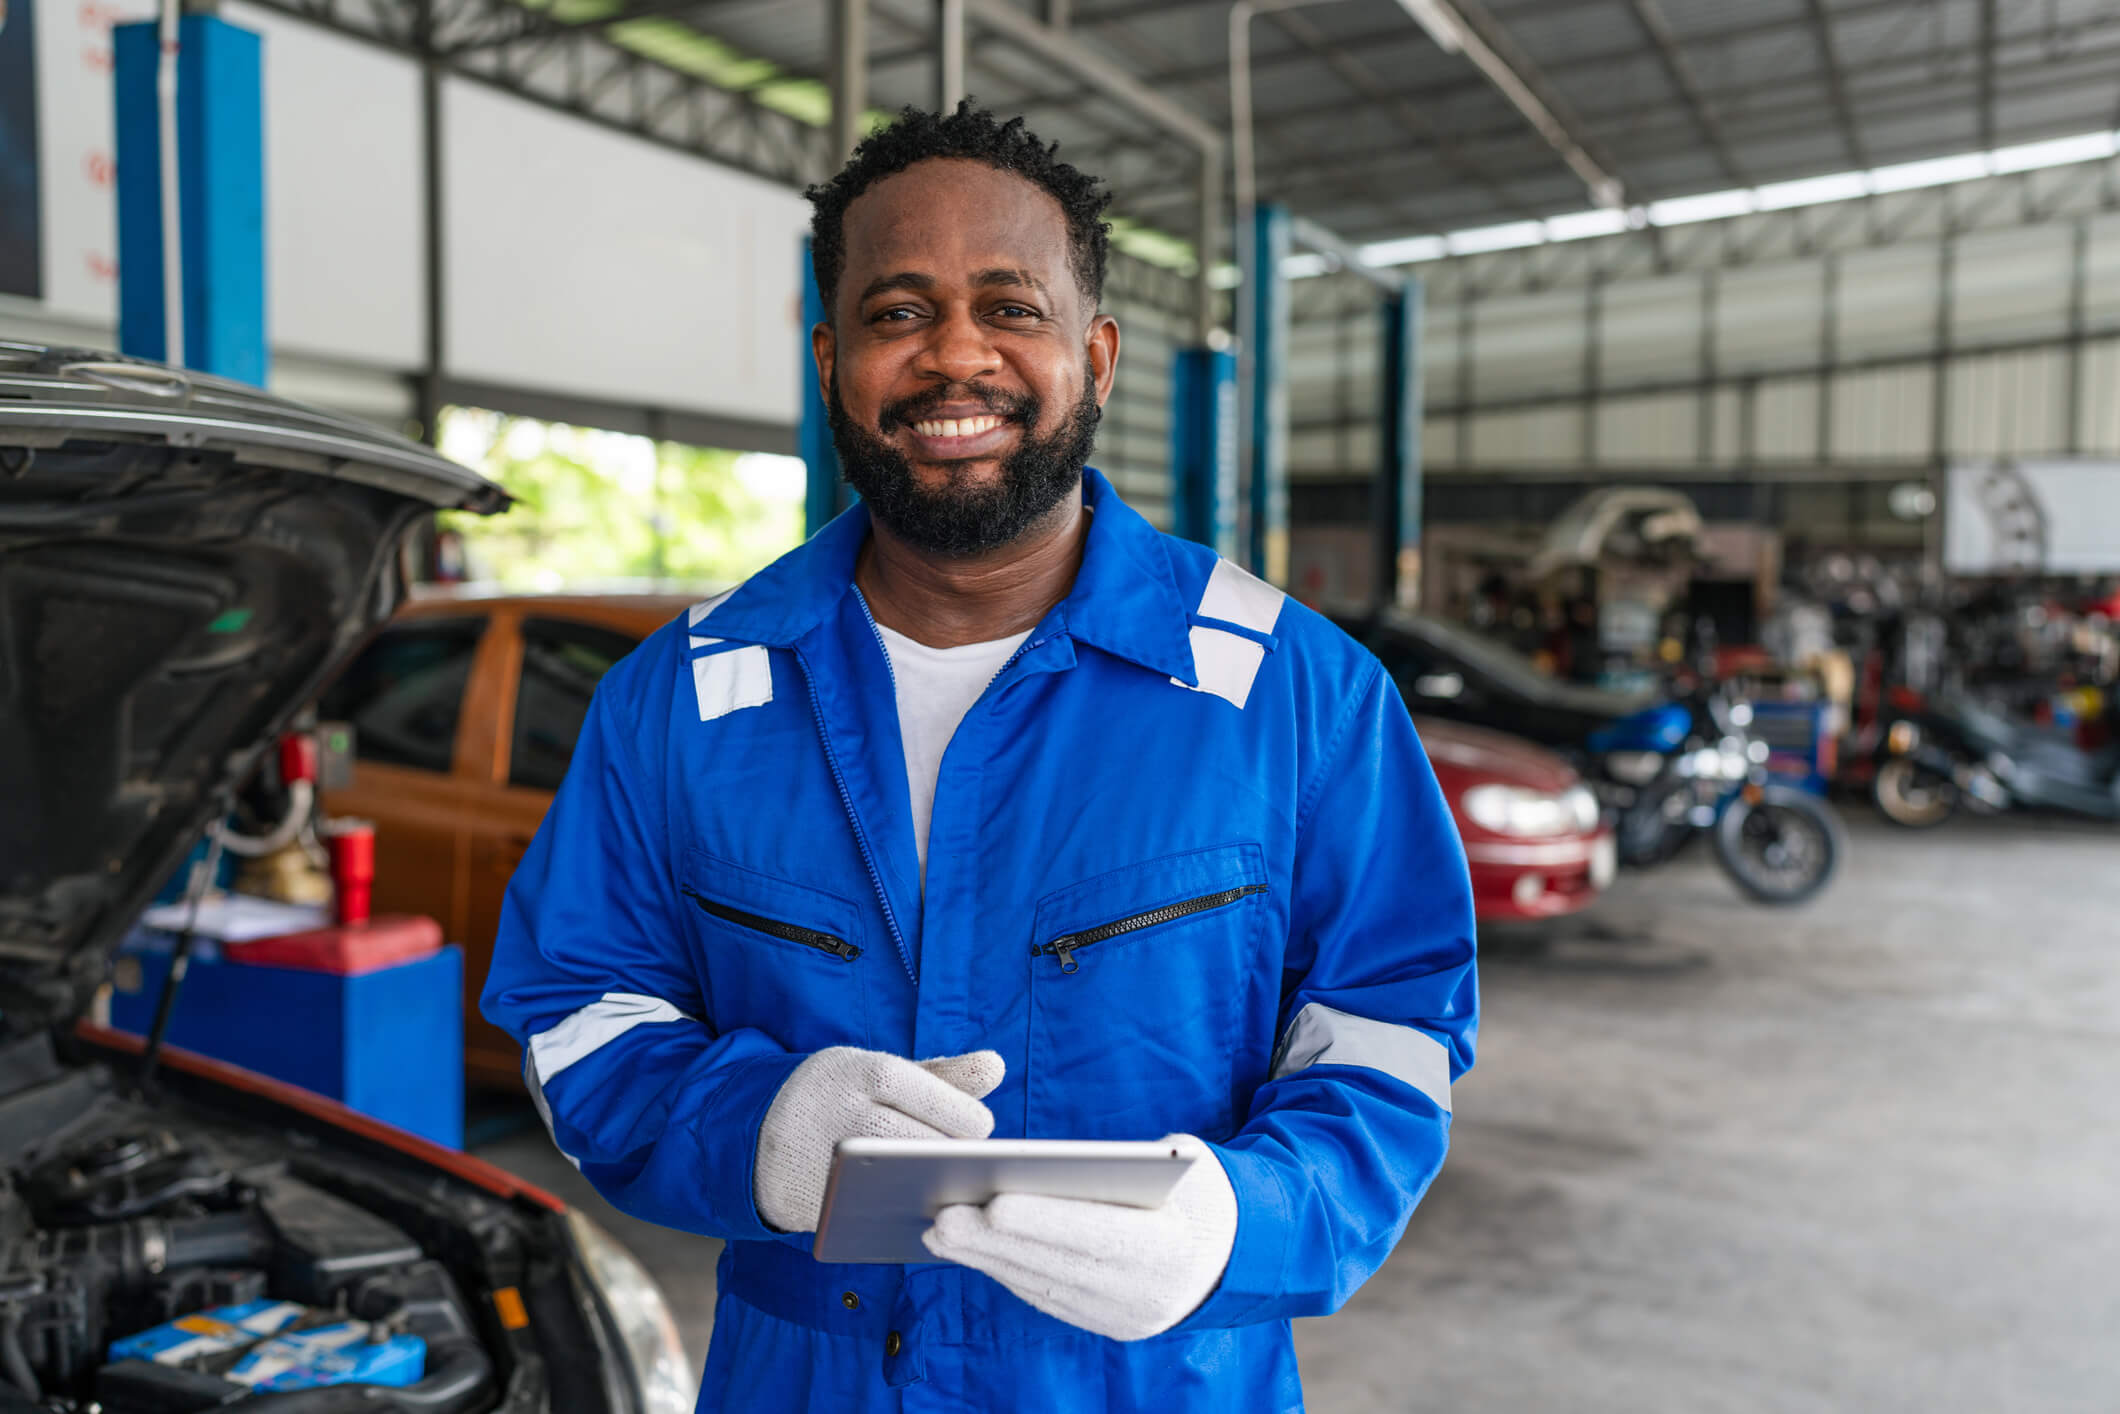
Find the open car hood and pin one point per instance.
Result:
(1634, 522)
(183, 560)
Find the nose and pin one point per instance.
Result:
(958, 348)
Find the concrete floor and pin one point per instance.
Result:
(1861, 1156)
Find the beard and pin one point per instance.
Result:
(957, 520)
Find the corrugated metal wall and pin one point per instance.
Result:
(1154, 310)
(1899, 331)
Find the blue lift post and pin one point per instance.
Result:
(1203, 447)
(1396, 493)
(221, 189)
(1273, 238)
(826, 497)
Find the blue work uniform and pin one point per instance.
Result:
(1188, 871)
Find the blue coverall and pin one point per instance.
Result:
(1173, 736)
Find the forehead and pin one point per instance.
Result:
(949, 217)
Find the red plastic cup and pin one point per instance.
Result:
(352, 846)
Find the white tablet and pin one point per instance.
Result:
(883, 1193)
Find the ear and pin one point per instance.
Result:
(824, 349)
(1103, 339)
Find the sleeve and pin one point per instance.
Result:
(1377, 1021)
(655, 1106)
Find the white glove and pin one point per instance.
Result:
(1126, 1273)
(846, 1093)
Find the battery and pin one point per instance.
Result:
(194, 1339)
(346, 1352)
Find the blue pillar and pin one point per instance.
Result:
(827, 498)
(1267, 552)
(1397, 501)
(1203, 447)
(221, 191)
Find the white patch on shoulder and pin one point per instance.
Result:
(1227, 664)
(731, 681)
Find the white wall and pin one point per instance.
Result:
(580, 261)
(584, 262)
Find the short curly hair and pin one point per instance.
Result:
(978, 136)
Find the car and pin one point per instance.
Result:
(464, 712)
(1532, 836)
(1443, 670)
(183, 562)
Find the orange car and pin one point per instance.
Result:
(465, 712)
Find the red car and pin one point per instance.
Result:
(1531, 828)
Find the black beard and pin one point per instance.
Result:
(956, 522)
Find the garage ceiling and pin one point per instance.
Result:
(1366, 125)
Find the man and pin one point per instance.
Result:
(993, 811)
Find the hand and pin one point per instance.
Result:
(847, 1093)
(1126, 1273)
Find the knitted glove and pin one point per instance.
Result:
(846, 1093)
(1126, 1273)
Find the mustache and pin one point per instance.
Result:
(906, 411)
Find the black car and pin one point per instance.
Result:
(1443, 670)
(183, 561)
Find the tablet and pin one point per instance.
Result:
(883, 1193)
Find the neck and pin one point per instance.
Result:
(946, 602)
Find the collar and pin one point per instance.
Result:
(1125, 599)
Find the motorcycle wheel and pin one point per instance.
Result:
(1781, 849)
(1911, 797)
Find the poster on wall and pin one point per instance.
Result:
(21, 214)
(2033, 516)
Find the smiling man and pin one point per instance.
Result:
(994, 811)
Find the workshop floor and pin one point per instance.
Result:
(1861, 1156)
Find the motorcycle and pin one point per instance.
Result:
(1687, 767)
(1962, 755)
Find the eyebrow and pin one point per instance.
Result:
(998, 275)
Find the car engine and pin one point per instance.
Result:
(156, 1260)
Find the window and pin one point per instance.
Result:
(405, 693)
(562, 664)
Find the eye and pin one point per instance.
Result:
(896, 314)
(1013, 310)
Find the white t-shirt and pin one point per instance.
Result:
(936, 687)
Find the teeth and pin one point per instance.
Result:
(957, 426)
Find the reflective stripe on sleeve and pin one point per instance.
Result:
(595, 1026)
(1323, 1035)
(544, 1108)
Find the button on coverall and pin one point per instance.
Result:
(1173, 733)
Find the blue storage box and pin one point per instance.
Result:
(389, 1043)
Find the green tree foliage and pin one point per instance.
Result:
(599, 509)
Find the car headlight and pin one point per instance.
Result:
(1514, 810)
(646, 1328)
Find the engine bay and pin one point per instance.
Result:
(157, 1258)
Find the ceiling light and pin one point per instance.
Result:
(1708, 206)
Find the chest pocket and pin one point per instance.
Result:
(777, 956)
(1147, 986)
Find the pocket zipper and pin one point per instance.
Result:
(1067, 945)
(790, 932)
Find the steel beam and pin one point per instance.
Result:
(1837, 85)
(1057, 49)
(1396, 489)
(1990, 42)
(1266, 340)
(949, 55)
(850, 73)
(2079, 268)
(1668, 51)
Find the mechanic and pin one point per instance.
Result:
(992, 810)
